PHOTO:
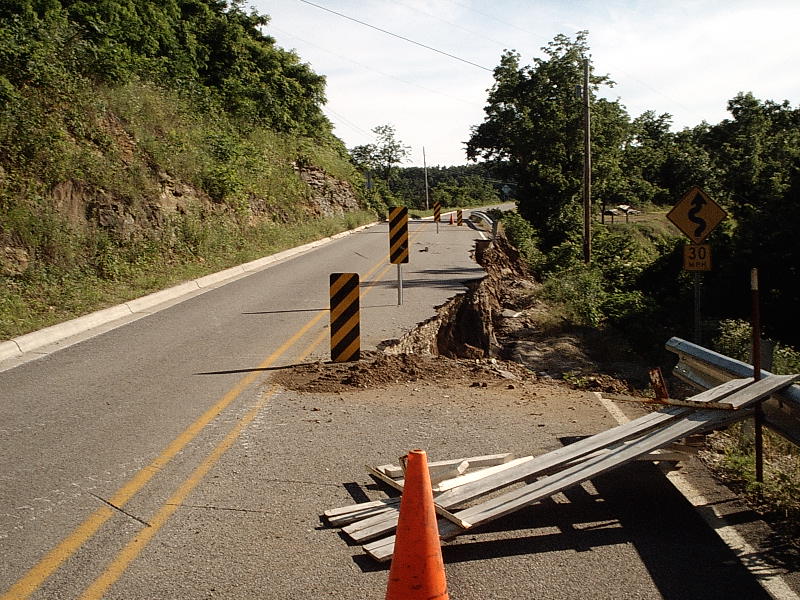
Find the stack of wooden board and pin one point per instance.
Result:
(457, 484)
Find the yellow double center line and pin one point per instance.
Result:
(36, 576)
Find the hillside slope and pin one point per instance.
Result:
(142, 143)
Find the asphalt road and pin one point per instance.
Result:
(124, 417)
(157, 461)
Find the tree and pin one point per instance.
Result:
(533, 132)
(383, 154)
(756, 154)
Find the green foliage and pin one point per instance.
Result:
(471, 191)
(145, 142)
(735, 339)
(522, 236)
(750, 164)
(578, 290)
(211, 50)
(100, 271)
(381, 156)
(463, 185)
(533, 134)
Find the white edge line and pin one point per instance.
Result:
(30, 342)
(764, 573)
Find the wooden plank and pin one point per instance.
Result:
(487, 460)
(557, 459)
(354, 517)
(540, 465)
(334, 512)
(343, 520)
(739, 399)
(440, 510)
(514, 500)
(687, 422)
(759, 390)
(391, 482)
(611, 439)
(448, 484)
(561, 457)
(368, 529)
(437, 473)
(381, 550)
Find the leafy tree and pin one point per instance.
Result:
(757, 156)
(470, 191)
(210, 49)
(533, 130)
(383, 154)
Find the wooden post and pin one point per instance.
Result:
(587, 166)
(758, 415)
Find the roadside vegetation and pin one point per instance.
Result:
(145, 143)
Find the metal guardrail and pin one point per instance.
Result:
(482, 216)
(704, 369)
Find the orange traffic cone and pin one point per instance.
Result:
(451, 218)
(417, 570)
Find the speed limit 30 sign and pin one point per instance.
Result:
(697, 257)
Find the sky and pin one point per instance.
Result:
(682, 57)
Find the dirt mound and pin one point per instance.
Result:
(491, 332)
(376, 370)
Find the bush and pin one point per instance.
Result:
(522, 236)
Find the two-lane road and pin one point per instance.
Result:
(95, 437)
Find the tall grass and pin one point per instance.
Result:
(733, 453)
(189, 247)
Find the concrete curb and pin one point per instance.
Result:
(55, 333)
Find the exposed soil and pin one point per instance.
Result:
(491, 333)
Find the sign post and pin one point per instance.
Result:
(398, 244)
(696, 215)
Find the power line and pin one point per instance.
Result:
(368, 68)
(464, 60)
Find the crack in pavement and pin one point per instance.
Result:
(118, 509)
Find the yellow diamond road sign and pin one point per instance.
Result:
(696, 215)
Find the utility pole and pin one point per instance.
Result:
(425, 169)
(587, 166)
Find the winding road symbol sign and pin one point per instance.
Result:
(696, 215)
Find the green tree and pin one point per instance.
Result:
(757, 156)
(383, 154)
(212, 50)
(533, 133)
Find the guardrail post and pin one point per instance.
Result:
(758, 413)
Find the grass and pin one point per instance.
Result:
(44, 297)
(731, 453)
(116, 150)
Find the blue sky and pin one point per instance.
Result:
(683, 57)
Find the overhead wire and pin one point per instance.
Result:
(368, 68)
(401, 37)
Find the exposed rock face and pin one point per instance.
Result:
(13, 261)
(329, 196)
(85, 206)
